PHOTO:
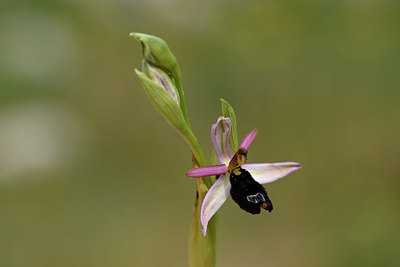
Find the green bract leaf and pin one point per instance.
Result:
(163, 102)
(167, 106)
(159, 76)
(227, 111)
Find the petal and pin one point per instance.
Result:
(215, 197)
(249, 139)
(220, 133)
(207, 171)
(268, 172)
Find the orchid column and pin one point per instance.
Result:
(161, 78)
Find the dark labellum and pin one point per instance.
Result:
(248, 193)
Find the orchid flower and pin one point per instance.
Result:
(241, 181)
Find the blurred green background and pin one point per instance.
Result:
(91, 175)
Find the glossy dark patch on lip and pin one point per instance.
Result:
(248, 193)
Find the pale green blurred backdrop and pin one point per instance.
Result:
(91, 175)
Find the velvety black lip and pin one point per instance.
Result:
(248, 193)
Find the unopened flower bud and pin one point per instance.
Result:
(163, 79)
(157, 53)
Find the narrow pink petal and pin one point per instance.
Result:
(207, 171)
(220, 133)
(215, 197)
(268, 172)
(249, 139)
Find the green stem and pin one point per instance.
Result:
(202, 249)
(198, 155)
(182, 101)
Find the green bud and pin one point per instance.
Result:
(227, 111)
(163, 102)
(157, 53)
(169, 108)
(160, 77)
